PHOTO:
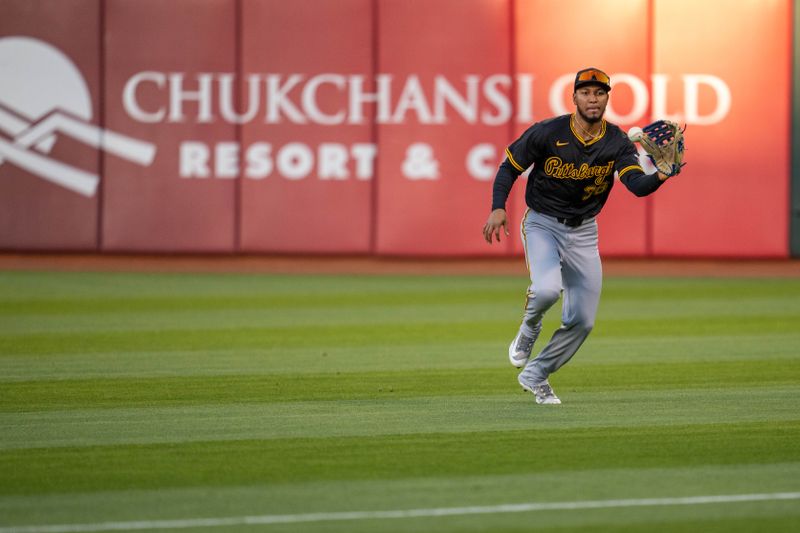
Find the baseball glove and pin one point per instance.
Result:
(663, 142)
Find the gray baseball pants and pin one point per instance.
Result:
(559, 258)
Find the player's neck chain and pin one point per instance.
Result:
(591, 136)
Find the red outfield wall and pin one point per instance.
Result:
(374, 126)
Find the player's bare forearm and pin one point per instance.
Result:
(497, 220)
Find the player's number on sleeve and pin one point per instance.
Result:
(593, 190)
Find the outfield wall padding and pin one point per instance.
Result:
(374, 126)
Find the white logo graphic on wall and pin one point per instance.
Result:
(43, 96)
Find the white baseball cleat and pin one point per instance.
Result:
(520, 350)
(542, 391)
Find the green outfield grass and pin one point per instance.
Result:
(180, 397)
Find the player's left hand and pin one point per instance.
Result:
(664, 143)
(497, 220)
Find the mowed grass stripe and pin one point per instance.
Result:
(76, 291)
(405, 493)
(409, 493)
(40, 395)
(227, 463)
(410, 514)
(297, 300)
(151, 314)
(600, 349)
(395, 416)
(319, 336)
(394, 334)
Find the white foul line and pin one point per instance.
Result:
(409, 513)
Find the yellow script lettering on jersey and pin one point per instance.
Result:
(556, 168)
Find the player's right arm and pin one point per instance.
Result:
(507, 174)
(519, 156)
(497, 221)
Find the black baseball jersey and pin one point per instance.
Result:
(571, 178)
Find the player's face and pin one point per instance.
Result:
(590, 102)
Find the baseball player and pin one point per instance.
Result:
(574, 158)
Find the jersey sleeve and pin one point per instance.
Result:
(631, 173)
(519, 156)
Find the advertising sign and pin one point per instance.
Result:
(375, 126)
